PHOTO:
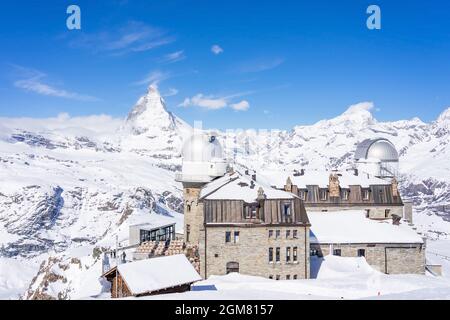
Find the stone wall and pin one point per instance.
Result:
(193, 215)
(375, 212)
(386, 258)
(252, 251)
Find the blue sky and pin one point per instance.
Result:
(278, 64)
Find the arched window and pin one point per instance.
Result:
(232, 267)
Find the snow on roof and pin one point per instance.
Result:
(156, 274)
(321, 178)
(352, 226)
(239, 187)
(151, 221)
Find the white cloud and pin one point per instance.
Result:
(214, 103)
(216, 49)
(241, 106)
(172, 92)
(154, 78)
(34, 83)
(362, 106)
(173, 57)
(202, 101)
(93, 125)
(133, 37)
(260, 65)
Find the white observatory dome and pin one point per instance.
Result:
(377, 157)
(203, 159)
(381, 149)
(201, 148)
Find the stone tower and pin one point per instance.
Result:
(202, 163)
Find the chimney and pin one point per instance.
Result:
(252, 184)
(394, 185)
(254, 177)
(356, 172)
(261, 195)
(333, 186)
(288, 186)
(302, 172)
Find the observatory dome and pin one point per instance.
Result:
(201, 148)
(203, 159)
(381, 149)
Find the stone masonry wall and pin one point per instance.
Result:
(252, 251)
(374, 213)
(386, 258)
(193, 215)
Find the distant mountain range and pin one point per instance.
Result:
(70, 182)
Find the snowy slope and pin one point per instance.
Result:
(339, 278)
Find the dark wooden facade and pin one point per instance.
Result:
(378, 195)
(273, 211)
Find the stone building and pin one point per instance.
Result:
(238, 223)
(328, 191)
(253, 229)
(259, 225)
(387, 246)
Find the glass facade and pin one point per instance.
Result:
(161, 234)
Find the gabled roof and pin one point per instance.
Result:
(146, 276)
(351, 226)
(237, 186)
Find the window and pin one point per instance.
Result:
(294, 234)
(232, 267)
(345, 195)
(277, 255)
(277, 234)
(288, 254)
(295, 277)
(277, 277)
(188, 208)
(228, 237)
(270, 234)
(386, 213)
(365, 194)
(188, 232)
(271, 277)
(270, 255)
(288, 233)
(236, 236)
(302, 195)
(288, 277)
(337, 252)
(367, 213)
(287, 209)
(251, 211)
(323, 194)
(294, 254)
(361, 253)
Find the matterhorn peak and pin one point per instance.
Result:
(150, 113)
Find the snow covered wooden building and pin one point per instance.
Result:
(154, 276)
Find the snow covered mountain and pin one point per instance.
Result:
(69, 185)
